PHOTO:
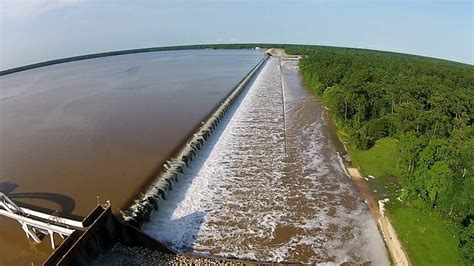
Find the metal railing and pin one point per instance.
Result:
(37, 224)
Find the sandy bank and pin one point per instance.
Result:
(390, 236)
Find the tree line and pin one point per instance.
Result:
(141, 50)
(425, 103)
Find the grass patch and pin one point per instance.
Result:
(380, 161)
(427, 239)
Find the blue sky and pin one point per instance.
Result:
(39, 30)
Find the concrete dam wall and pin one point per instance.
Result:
(146, 202)
(266, 186)
(105, 231)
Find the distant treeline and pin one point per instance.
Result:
(427, 104)
(290, 48)
(135, 51)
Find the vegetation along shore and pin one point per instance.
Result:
(407, 123)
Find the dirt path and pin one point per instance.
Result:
(390, 236)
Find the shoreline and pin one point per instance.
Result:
(376, 208)
(393, 244)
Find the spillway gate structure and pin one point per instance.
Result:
(148, 201)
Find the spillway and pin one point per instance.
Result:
(268, 186)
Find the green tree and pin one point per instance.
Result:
(438, 181)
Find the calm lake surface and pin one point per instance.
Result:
(72, 132)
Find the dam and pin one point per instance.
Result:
(260, 180)
(268, 185)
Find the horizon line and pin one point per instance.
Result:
(198, 47)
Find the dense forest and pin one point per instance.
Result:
(425, 103)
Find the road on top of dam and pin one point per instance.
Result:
(268, 184)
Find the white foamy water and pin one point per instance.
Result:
(262, 190)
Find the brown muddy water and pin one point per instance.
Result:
(101, 127)
(269, 185)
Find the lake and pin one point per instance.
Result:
(83, 132)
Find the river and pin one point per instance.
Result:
(269, 186)
(72, 132)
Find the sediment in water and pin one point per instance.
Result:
(268, 190)
(146, 202)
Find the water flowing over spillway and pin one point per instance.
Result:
(268, 185)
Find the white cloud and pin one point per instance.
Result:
(24, 9)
